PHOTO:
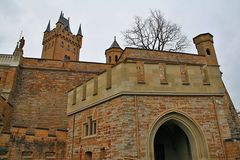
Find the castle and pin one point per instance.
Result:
(140, 104)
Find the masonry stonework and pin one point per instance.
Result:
(139, 105)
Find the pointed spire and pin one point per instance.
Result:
(115, 44)
(48, 27)
(61, 18)
(79, 31)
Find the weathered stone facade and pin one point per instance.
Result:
(61, 108)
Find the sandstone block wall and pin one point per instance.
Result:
(123, 125)
(40, 95)
(19, 143)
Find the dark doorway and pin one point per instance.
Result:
(88, 155)
(171, 143)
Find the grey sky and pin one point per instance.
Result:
(102, 20)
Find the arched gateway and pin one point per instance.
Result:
(175, 136)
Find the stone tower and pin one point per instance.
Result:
(204, 46)
(60, 43)
(113, 52)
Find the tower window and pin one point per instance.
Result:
(66, 57)
(109, 59)
(208, 52)
(116, 58)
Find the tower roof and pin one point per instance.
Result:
(64, 21)
(48, 27)
(79, 31)
(115, 44)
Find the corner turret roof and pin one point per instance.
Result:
(79, 30)
(48, 27)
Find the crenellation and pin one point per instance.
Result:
(184, 74)
(127, 83)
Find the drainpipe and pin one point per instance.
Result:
(73, 130)
(137, 127)
(216, 115)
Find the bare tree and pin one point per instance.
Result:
(156, 33)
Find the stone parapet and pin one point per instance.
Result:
(9, 60)
(164, 56)
(145, 79)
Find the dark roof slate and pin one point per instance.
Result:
(65, 22)
(79, 30)
(48, 27)
(115, 44)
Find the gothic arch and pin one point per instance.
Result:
(186, 123)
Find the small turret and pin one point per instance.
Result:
(204, 45)
(113, 53)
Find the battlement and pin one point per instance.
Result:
(20, 131)
(9, 60)
(34, 144)
(68, 36)
(164, 56)
(144, 78)
(75, 66)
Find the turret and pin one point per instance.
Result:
(60, 43)
(113, 53)
(204, 45)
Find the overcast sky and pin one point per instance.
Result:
(102, 20)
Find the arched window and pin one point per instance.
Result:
(66, 57)
(208, 52)
(116, 58)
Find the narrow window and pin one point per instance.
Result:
(65, 57)
(85, 129)
(94, 127)
(62, 44)
(116, 58)
(109, 59)
(208, 52)
(91, 125)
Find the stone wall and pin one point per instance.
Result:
(19, 143)
(123, 125)
(40, 95)
(5, 114)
